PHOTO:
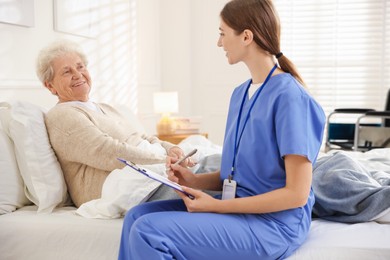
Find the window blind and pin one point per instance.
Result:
(341, 48)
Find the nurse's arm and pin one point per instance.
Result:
(295, 194)
(208, 181)
(203, 181)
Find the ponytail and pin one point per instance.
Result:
(287, 66)
(262, 19)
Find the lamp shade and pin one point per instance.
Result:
(165, 102)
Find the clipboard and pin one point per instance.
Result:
(157, 177)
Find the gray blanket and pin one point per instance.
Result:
(351, 190)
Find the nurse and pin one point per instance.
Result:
(273, 135)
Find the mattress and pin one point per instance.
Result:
(24, 234)
(333, 240)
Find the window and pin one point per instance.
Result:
(341, 48)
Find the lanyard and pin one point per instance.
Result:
(237, 139)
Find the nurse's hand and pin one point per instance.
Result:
(181, 175)
(201, 202)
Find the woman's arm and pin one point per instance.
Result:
(293, 195)
(77, 138)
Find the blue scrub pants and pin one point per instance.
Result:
(165, 230)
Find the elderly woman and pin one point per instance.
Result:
(87, 137)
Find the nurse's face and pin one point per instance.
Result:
(71, 81)
(232, 43)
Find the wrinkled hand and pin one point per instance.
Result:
(175, 153)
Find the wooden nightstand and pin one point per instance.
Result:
(175, 139)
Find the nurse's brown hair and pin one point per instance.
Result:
(261, 18)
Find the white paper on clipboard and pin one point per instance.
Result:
(155, 176)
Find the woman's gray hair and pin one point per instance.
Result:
(44, 67)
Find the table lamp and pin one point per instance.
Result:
(165, 103)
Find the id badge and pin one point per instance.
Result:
(229, 189)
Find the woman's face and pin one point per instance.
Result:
(231, 42)
(71, 81)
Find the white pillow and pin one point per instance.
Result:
(12, 194)
(38, 165)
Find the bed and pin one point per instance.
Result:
(64, 235)
(60, 234)
(37, 221)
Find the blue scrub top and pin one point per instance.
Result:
(284, 120)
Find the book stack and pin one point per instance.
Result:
(187, 125)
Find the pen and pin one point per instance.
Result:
(185, 157)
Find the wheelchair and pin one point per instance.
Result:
(361, 135)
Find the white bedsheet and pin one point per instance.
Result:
(24, 234)
(332, 240)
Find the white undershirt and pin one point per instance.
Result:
(253, 88)
(89, 105)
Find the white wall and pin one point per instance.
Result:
(18, 49)
(213, 78)
(148, 60)
(192, 63)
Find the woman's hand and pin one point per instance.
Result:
(175, 153)
(201, 202)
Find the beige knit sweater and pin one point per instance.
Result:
(88, 143)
